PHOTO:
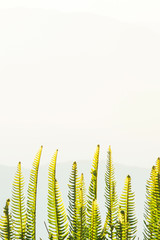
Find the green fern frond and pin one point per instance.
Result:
(17, 205)
(127, 205)
(73, 196)
(6, 224)
(31, 200)
(57, 217)
(81, 210)
(92, 193)
(95, 228)
(110, 198)
(105, 229)
(152, 204)
(122, 225)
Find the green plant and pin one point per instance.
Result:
(6, 224)
(31, 200)
(127, 221)
(18, 209)
(92, 194)
(83, 221)
(95, 226)
(110, 199)
(152, 204)
(57, 217)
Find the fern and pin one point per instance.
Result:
(127, 213)
(105, 229)
(95, 228)
(152, 204)
(84, 217)
(6, 224)
(57, 218)
(110, 198)
(31, 201)
(92, 193)
(81, 210)
(122, 225)
(73, 196)
(18, 206)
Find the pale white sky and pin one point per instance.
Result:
(74, 74)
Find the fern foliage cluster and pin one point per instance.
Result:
(152, 204)
(82, 220)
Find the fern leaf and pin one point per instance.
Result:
(95, 229)
(127, 217)
(105, 229)
(110, 198)
(57, 217)
(31, 200)
(6, 224)
(17, 205)
(81, 210)
(73, 196)
(152, 204)
(92, 193)
(121, 225)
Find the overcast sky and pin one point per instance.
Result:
(74, 74)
